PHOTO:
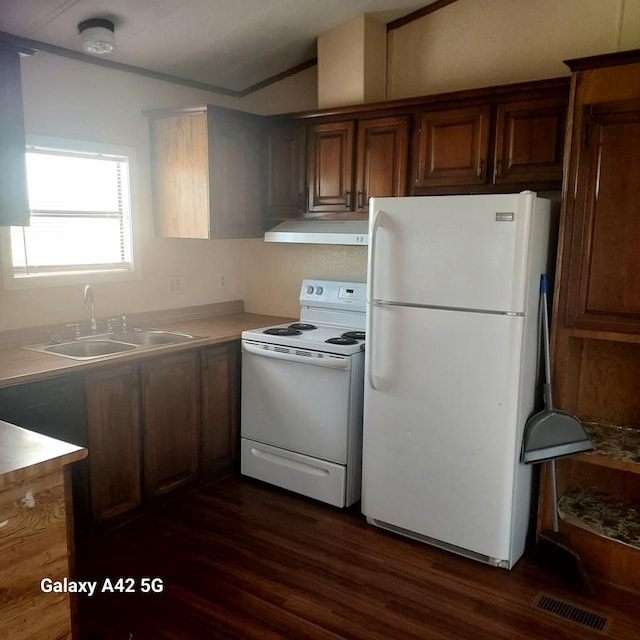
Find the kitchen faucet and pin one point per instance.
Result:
(88, 303)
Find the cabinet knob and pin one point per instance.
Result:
(347, 199)
(480, 170)
(498, 170)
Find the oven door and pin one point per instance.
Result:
(296, 402)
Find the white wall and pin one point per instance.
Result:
(480, 43)
(467, 44)
(274, 272)
(352, 63)
(298, 92)
(69, 99)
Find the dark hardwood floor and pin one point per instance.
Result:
(239, 559)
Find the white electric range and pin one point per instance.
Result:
(302, 390)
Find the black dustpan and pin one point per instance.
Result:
(551, 434)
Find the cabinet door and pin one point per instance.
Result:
(234, 174)
(219, 409)
(604, 276)
(14, 206)
(330, 165)
(452, 147)
(529, 142)
(285, 171)
(113, 414)
(180, 171)
(381, 159)
(171, 424)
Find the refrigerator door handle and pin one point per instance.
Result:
(377, 225)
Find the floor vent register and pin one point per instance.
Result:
(571, 612)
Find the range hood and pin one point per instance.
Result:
(355, 232)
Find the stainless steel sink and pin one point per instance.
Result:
(86, 349)
(90, 347)
(152, 337)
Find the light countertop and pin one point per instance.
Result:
(21, 365)
(25, 454)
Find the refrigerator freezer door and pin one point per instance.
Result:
(441, 437)
(466, 252)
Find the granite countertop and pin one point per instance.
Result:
(21, 365)
(25, 454)
(618, 442)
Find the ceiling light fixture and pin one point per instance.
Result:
(98, 36)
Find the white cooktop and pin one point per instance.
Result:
(333, 308)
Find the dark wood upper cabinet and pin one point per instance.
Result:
(530, 141)
(452, 147)
(353, 160)
(206, 173)
(604, 277)
(284, 182)
(330, 166)
(14, 202)
(234, 175)
(381, 159)
(507, 138)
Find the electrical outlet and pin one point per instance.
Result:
(221, 281)
(174, 284)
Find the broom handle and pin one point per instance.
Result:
(548, 392)
(554, 494)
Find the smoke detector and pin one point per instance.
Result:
(98, 36)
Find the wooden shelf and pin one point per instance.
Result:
(602, 513)
(616, 446)
(592, 334)
(596, 324)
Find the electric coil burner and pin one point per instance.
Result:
(302, 326)
(341, 340)
(302, 390)
(356, 335)
(282, 331)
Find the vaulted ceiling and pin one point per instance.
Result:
(233, 44)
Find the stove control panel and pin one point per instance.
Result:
(333, 294)
(348, 293)
(317, 290)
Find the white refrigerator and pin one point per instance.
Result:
(450, 368)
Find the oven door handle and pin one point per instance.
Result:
(330, 361)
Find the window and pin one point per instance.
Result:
(80, 214)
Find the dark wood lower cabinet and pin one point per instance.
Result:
(113, 418)
(152, 426)
(219, 367)
(171, 422)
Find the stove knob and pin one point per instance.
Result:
(319, 291)
(309, 290)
